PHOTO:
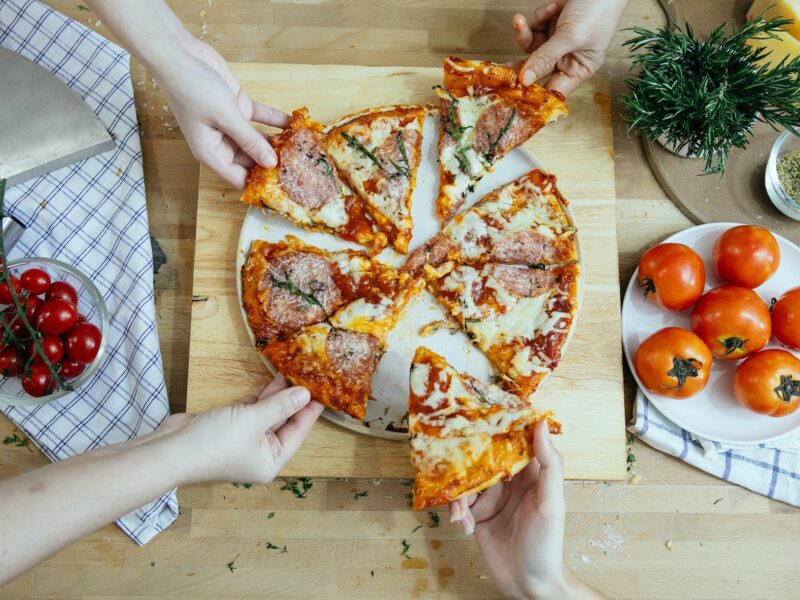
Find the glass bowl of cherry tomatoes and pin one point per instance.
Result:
(70, 327)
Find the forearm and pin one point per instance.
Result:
(48, 508)
(147, 28)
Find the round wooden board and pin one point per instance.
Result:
(740, 195)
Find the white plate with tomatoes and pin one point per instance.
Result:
(714, 412)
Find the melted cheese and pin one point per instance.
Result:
(418, 379)
(333, 214)
(366, 317)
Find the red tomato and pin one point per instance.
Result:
(62, 290)
(746, 255)
(83, 342)
(56, 317)
(5, 293)
(733, 322)
(786, 319)
(15, 324)
(672, 275)
(39, 381)
(673, 362)
(52, 347)
(70, 369)
(35, 281)
(9, 362)
(769, 383)
(32, 305)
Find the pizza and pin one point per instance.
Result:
(335, 365)
(465, 435)
(321, 317)
(306, 188)
(519, 316)
(485, 112)
(378, 152)
(521, 223)
(290, 284)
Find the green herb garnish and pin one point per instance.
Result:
(489, 156)
(246, 486)
(17, 441)
(358, 495)
(434, 518)
(271, 515)
(406, 546)
(299, 487)
(703, 97)
(231, 564)
(288, 285)
(416, 528)
(328, 170)
(271, 546)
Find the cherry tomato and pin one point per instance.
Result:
(56, 317)
(15, 324)
(733, 321)
(70, 369)
(5, 293)
(62, 290)
(786, 319)
(39, 381)
(672, 275)
(32, 305)
(673, 362)
(746, 255)
(83, 342)
(35, 281)
(52, 347)
(9, 362)
(769, 383)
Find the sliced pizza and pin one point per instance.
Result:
(289, 284)
(305, 187)
(465, 435)
(485, 112)
(519, 316)
(335, 365)
(378, 152)
(522, 223)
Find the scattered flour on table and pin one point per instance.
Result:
(611, 543)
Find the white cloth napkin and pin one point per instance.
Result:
(771, 469)
(93, 215)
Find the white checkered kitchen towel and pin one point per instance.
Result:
(771, 469)
(92, 215)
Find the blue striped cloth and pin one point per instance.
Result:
(93, 215)
(771, 469)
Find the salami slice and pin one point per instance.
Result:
(305, 172)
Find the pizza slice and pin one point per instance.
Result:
(378, 152)
(305, 187)
(521, 223)
(519, 316)
(465, 435)
(485, 112)
(335, 365)
(289, 284)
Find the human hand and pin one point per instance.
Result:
(519, 527)
(570, 37)
(250, 441)
(213, 111)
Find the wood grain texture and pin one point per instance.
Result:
(593, 440)
(727, 543)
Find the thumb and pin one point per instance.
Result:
(551, 464)
(543, 60)
(277, 408)
(251, 141)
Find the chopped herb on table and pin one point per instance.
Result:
(434, 518)
(358, 495)
(231, 565)
(406, 546)
(270, 515)
(17, 441)
(299, 487)
(246, 486)
(416, 528)
(789, 174)
(372, 573)
(271, 546)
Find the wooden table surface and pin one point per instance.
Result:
(725, 542)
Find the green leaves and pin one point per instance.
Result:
(703, 97)
(287, 284)
(299, 487)
(15, 440)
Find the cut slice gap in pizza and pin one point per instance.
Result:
(306, 188)
(289, 284)
(522, 223)
(378, 152)
(335, 365)
(485, 112)
(520, 317)
(465, 435)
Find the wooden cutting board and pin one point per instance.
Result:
(586, 390)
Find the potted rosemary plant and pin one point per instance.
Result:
(701, 98)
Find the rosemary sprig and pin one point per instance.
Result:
(288, 285)
(703, 97)
(328, 170)
(19, 310)
(352, 142)
(489, 156)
